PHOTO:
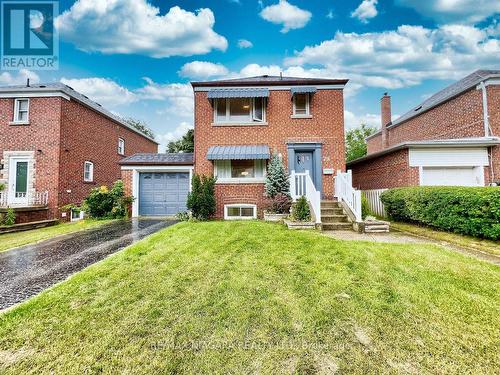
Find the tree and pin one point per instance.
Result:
(201, 199)
(185, 144)
(277, 181)
(356, 143)
(141, 126)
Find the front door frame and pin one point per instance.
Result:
(316, 149)
(12, 199)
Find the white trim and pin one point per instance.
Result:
(271, 88)
(91, 171)
(492, 81)
(448, 157)
(477, 171)
(16, 119)
(232, 122)
(12, 181)
(121, 146)
(20, 94)
(308, 106)
(240, 205)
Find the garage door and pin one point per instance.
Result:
(451, 176)
(162, 194)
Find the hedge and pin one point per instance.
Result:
(473, 211)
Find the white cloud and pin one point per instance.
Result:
(102, 90)
(243, 43)
(457, 11)
(137, 27)
(19, 78)
(202, 69)
(178, 97)
(403, 57)
(290, 16)
(352, 121)
(365, 11)
(174, 135)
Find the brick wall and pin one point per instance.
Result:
(493, 93)
(326, 126)
(374, 144)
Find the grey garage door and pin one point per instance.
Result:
(163, 194)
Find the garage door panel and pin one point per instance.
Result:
(449, 176)
(162, 194)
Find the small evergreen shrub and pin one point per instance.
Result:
(103, 203)
(473, 211)
(277, 181)
(201, 199)
(300, 210)
(9, 218)
(279, 204)
(2, 186)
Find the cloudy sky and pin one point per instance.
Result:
(136, 57)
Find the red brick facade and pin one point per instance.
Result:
(326, 127)
(62, 134)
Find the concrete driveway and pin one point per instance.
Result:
(28, 270)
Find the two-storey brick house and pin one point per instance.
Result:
(452, 138)
(55, 146)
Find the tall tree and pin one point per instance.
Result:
(141, 126)
(355, 140)
(185, 144)
(277, 178)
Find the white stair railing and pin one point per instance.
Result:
(344, 192)
(301, 184)
(36, 198)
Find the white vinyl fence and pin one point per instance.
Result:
(374, 202)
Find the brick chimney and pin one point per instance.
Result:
(385, 114)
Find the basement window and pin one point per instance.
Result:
(240, 211)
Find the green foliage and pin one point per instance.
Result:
(356, 143)
(9, 218)
(185, 144)
(279, 204)
(141, 126)
(300, 210)
(473, 211)
(103, 203)
(201, 199)
(183, 216)
(2, 186)
(277, 181)
(365, 208)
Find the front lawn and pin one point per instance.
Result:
(11, 240)
(251, 297)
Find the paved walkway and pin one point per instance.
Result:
(28, 270)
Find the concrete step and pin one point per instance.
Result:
(337, 226)
(332, 211)
(330, 204)
(334, 219)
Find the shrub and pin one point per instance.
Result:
(277, 181)
(279, 204)
(473, 211)
(2, 186)
(183, 216)
(300, 210)
(103, 203)
(9, 218)
(201, 199)
(365, 208)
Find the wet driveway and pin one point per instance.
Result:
(30, 269)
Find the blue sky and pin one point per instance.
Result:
(136, 57)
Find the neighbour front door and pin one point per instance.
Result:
(304, 162)
(18, 181)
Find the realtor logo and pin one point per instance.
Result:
(29, 38)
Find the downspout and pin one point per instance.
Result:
(486, 120)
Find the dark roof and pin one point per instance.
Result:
(448, 93)
(435, 143)
(159, 159)
(267, 80)
(68, 90)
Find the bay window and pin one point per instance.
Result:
(240, 170)
(239, 110)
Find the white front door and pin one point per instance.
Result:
(18, 180)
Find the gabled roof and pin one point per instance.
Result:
(159, 159)
(72, 93)
(267, 80)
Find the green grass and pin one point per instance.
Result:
(251, 297)
(487, 246)
(11, 240)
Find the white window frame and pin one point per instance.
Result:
(308, 106)
(121, 146)
(91, 171)
(248, 180)
(17, 110)
(240, 205)
(252, 120)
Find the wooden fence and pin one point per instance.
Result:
(374, 202)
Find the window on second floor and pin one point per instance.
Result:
(21, 110)
(301, 105)
(240, 110)
(240, 169)
(121, 146)
(88, 171)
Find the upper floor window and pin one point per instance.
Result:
(121, 146)
(88, 171)
(233, 170)
(21, 110)
(301, 105)
(240, 110)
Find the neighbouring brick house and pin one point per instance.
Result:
(452, 138)
(239, 123)
(55, 146)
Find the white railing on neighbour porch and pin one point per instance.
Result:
(301, 184)
(374, 202)
(37, 198)
(344, 192)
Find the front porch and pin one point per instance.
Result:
(28, 207)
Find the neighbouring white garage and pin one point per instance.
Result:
(450, 166)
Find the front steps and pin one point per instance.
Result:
(333, 216)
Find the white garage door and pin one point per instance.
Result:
(452, 176)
